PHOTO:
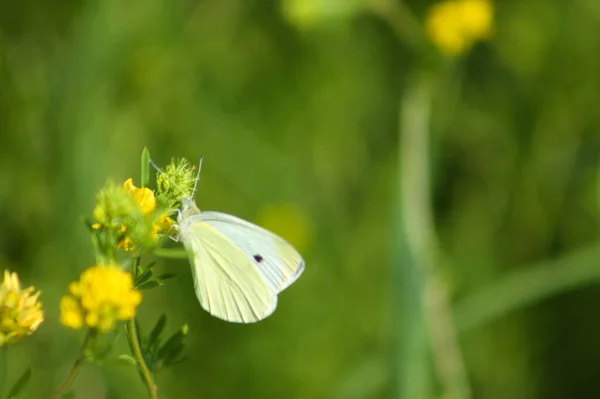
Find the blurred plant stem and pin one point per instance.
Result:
(420, 241)
(134, 344)
(74, 372)
(3, 366)
(406, 26)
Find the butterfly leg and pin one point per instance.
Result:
(175, 237)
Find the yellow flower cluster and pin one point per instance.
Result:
(103, 295)
(20, 311)
(113, 212)
(144, 198)
(455, 25)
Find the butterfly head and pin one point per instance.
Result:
(188, 209)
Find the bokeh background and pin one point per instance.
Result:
(459, 189)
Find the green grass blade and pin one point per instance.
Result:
(527, 287)
(145, 179)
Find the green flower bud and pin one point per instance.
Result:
(114, 206)
(177, 182)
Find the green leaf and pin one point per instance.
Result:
(151, 283)
(157, 330)
(125, 360)
(144, 277)
(20, 384)
(527, 287)
(177, 361)
(171, 253)
(145, 168)
(169, 352)
(165, 277)
(171, 357)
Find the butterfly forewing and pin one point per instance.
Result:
(227, 283)
(278, 262)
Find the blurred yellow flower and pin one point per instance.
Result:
(455, 25)
(288, 221)
(103, 295)
(144, 200)
(20, 311)
(307, 13)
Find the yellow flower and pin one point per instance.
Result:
(476, 18)
(143, 197)
(20, 311)
(103, 295)
(455, 25)
(134, 225)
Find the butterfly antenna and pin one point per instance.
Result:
(197, 175)
(167, 177)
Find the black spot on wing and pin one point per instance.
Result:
(258, 258)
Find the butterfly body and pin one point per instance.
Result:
(238, 267)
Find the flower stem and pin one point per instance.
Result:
(3, 366)
(136, 349)
(74, 372)
(422, 240)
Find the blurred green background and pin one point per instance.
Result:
(299, 108)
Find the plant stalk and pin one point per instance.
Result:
(136, 349)
(71, 376)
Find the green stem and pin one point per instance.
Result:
(74, 372)
(421, 239)
(3, 367)
(136, 349)
(404, 23)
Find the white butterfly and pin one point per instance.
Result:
(238, 267)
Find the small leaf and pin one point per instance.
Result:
(20, 384)
(165, 277)
(157, 330)
(151, 283)
(173, 347)
(172, 356)
(179, 360)
(126, 359)
(145, 168)
(144, 277)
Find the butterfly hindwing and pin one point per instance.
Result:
(227, 283)
(278, 262)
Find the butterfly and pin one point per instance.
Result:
(238, 267)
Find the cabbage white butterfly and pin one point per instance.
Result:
(238, 267)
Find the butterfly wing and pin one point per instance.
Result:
(227, 283)
(278, 262)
